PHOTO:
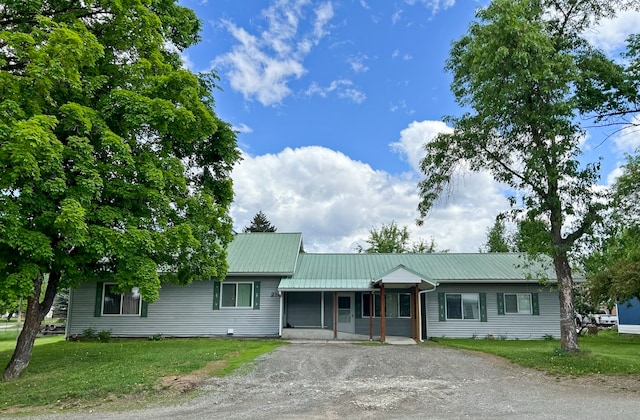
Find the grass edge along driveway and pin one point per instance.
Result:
(67, 374)
(608, 353)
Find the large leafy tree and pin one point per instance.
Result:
(260, 223)
(392, 239)
(516, 73)
(613, 268)
(112, 160)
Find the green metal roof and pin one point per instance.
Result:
(357, 271)
(263, 254)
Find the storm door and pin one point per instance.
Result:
(346, 313)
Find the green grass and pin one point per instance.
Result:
(609, 353)
(66, 373)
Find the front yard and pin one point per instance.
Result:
(64, 374)
(608, 353)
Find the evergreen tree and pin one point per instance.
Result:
(260, 223)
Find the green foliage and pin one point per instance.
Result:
(516, 73)
(613, 268)
(112, 160)
(156, 337)
(71, 374)
(89, 333)
(498, 239)
(391, 239)
(260, 223)
(607, 353)
(104, 336)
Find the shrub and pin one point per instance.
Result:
(156, 337)
(104, 336)
(89, 333)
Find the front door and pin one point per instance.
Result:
(346, 313)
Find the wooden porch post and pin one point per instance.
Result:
(370, 315)
(335, 315)
(412, 312)
(414, 316)
(383, 321)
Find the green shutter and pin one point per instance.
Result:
(216, 295)
(144, 308)
(441, 307)
(483, 307)
(256, 295)
(500, 303)
(534, 304)
(358, 305)
(97, 310)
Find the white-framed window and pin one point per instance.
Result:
(236, 295)
(114, 303)
(517, 303)
(397, 305)
(462, 306)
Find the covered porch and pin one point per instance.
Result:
(361, 309)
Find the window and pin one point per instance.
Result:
(113, 303)
(237, 295)
(397, 305)
(462, 306)
(517, 303)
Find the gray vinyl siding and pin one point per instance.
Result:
(182, 311)
(400, 327)
(328, 309)
(304, 309)
(509, 326)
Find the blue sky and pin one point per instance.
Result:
(333, 100)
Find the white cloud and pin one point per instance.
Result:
(358, 63)
(610, 34)
(261, 66)
(402, 105)
(395, 18)
(343, 88)
(628, 141)
(334, 200)
(414, 137)
(242, 128)
(434, 6)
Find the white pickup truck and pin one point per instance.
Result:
(599, 318)
(603, 318)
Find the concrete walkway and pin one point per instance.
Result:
(400, 341)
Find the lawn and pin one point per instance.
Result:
(67, 373)
(608, 353)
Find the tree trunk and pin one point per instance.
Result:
(568, 333)
(36, 311)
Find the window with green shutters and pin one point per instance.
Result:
(518, 303)
(462, 306)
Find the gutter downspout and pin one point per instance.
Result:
(281, 312)
(420, 310)
(68, 320)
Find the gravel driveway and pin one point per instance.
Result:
(338, 380)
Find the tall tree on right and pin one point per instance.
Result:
(516, 73)
(260, 223)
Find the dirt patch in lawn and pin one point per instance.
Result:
(184, 383)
